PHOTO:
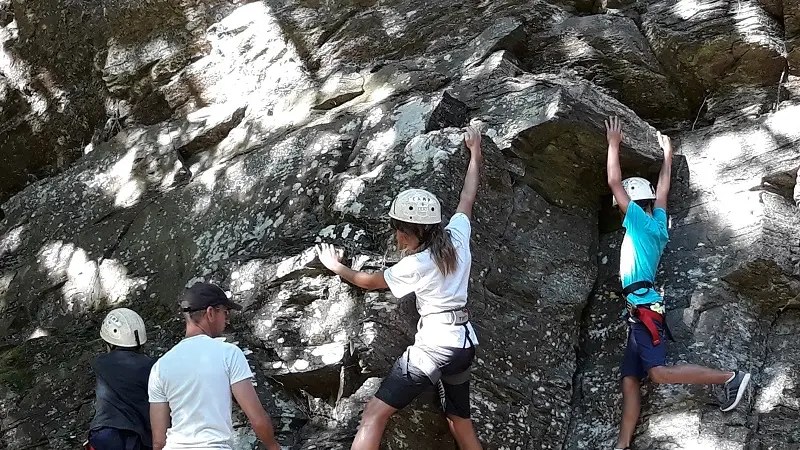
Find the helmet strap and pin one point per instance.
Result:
(136, 336)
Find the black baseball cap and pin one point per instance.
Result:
(202, 295)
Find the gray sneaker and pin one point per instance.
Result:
(734, 390)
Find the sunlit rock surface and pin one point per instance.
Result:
(221, 141)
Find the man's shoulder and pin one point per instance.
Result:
(176, 352)
(218, 344)
(223, 344)
(188, 349)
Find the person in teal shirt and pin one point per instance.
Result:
(646, 236)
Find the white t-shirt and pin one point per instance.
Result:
(195, 377)
(436, 293)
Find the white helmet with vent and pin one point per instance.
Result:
(637, 188)
(122, 327)
(416, 206)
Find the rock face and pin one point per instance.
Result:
(46, 115)
(710, 47)
(75, 74)
(247, 132)
(791, 24)
(610, 51)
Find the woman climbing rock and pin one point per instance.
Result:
(646, 236)
(437, 270)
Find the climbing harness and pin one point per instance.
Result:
(651, 315)
(633, 287)
(457, 378)
(649, 318)
(456, 317)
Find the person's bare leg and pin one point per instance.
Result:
(464, 433)
(631, 406)
(373, 422)
(688, 374)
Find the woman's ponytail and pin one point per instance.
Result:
(438, 241)
(434, 238)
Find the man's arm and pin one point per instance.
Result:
(332, 259)
(472, 138)
(665, 176)
(614, 137)
(246, 397)
(159, 422)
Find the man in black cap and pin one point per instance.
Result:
(190, 386)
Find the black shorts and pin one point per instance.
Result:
(407, 379)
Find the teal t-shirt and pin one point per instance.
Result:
(644, 242)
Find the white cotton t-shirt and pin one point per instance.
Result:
(436, 293)
(195, 378)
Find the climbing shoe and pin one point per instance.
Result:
(734, 390)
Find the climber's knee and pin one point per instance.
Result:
(377, 411)
(659, 374)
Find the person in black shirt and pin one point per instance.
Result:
(122, 409)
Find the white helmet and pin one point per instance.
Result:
(122, 327)
(416, 206)
(637, 188)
